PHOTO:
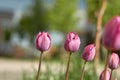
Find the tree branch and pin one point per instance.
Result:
(98, 30)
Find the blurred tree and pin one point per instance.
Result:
(111, 10)
(34, 20)
(7, 35)
(62, 15)
(93, 7)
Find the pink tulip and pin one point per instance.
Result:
(72, 42)
(105, 75)
(43, 41)
(111, 34)
(113, 61)
(89, 52)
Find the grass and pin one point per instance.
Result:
(74, 73)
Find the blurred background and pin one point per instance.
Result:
(21, 20)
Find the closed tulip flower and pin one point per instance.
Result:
(89, 52)
(111, 34)
(113, 61)
(43, 41)
(71, 45)
(105, 75)
(88, 55)
(72, 42)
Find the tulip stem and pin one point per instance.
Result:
(106, 65)
(66, 75)
(38, 73)
(111, 74)
(83, 70)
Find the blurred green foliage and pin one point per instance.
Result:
(34, 20)
(62, 15)
(113, 9)
(39, 18)
(74, 73)
(7, 35)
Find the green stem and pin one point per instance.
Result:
(111, 74)
(38, 73)
(83, 69)
(106, 65)
(66, 75)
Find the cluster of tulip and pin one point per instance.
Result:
(111, 37)
(111, 40)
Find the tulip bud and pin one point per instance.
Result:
(111, 34)
(113, 61)
(105, 75)
(72, 42)
(89, 52)
(43, 41)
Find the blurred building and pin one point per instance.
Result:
(9, 19)
(6, 17)
(10, 14)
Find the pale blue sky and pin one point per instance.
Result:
(14, 4)
(22, 4)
